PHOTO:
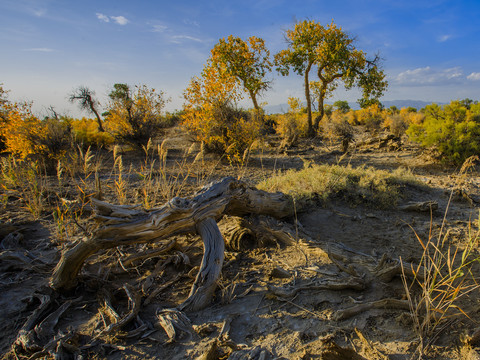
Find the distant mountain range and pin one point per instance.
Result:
(417, 104)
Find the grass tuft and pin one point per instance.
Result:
(357, 185)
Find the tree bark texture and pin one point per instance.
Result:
(126, 225)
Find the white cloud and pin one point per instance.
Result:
(102, 17)
(475, 76)
(39, 49)
(177, 38)
(120, 20)
(39, 12)
(159, 28)
(429, 76)
(191, 22)
(444, 38)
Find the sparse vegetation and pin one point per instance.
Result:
(443, 278)
(325, 182)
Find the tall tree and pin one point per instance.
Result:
(336, 59)
(300, 56)
(86, 100)
(247, 61)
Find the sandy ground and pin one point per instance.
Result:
(246, 319)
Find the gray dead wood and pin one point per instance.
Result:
(134, 299)
(422, 206)
(36, 336)
(339, 283)
(379, 304)
(175, 323)
(26, 336)
(126, 225)
(149, 254)
(260, 231)
(384, 269)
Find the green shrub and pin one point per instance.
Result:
(453, 129)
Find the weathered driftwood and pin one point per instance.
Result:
(37, 335)
(340, 283)
(384, 269)
(26, 336)
(237, 234)
(126, 225)
(175, 323)
(259, 231)
(149, 254)
(134, 299)
(379, 304)
(422, 206)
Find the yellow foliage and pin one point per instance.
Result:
(86, 132)
(18, 129)
(246, 61)
(337, 126)
(294, 124)
(398, 123)
(412, 117)
(211, 117)
(371, 117)
(291, 125)
(135, 116)
(352, 117)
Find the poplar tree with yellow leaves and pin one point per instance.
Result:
(332, 52)
(136, 115)
(246, 61)
(211, 114)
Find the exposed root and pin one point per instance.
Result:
(175, 323)
(134, 299)
(379, 304)
(354, 283)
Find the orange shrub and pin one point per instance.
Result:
(18, 129)
(210, 114)
(293, 124)
(371, 117)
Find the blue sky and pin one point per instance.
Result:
(431, 48)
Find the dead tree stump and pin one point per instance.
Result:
(126, 225)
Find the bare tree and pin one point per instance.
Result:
(86, 101)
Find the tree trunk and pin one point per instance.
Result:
(321, 110)
(254, 100)
(99, 120)
(310, 130)
(126, 225)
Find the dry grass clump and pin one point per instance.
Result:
(362, 184)
(444, 277)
